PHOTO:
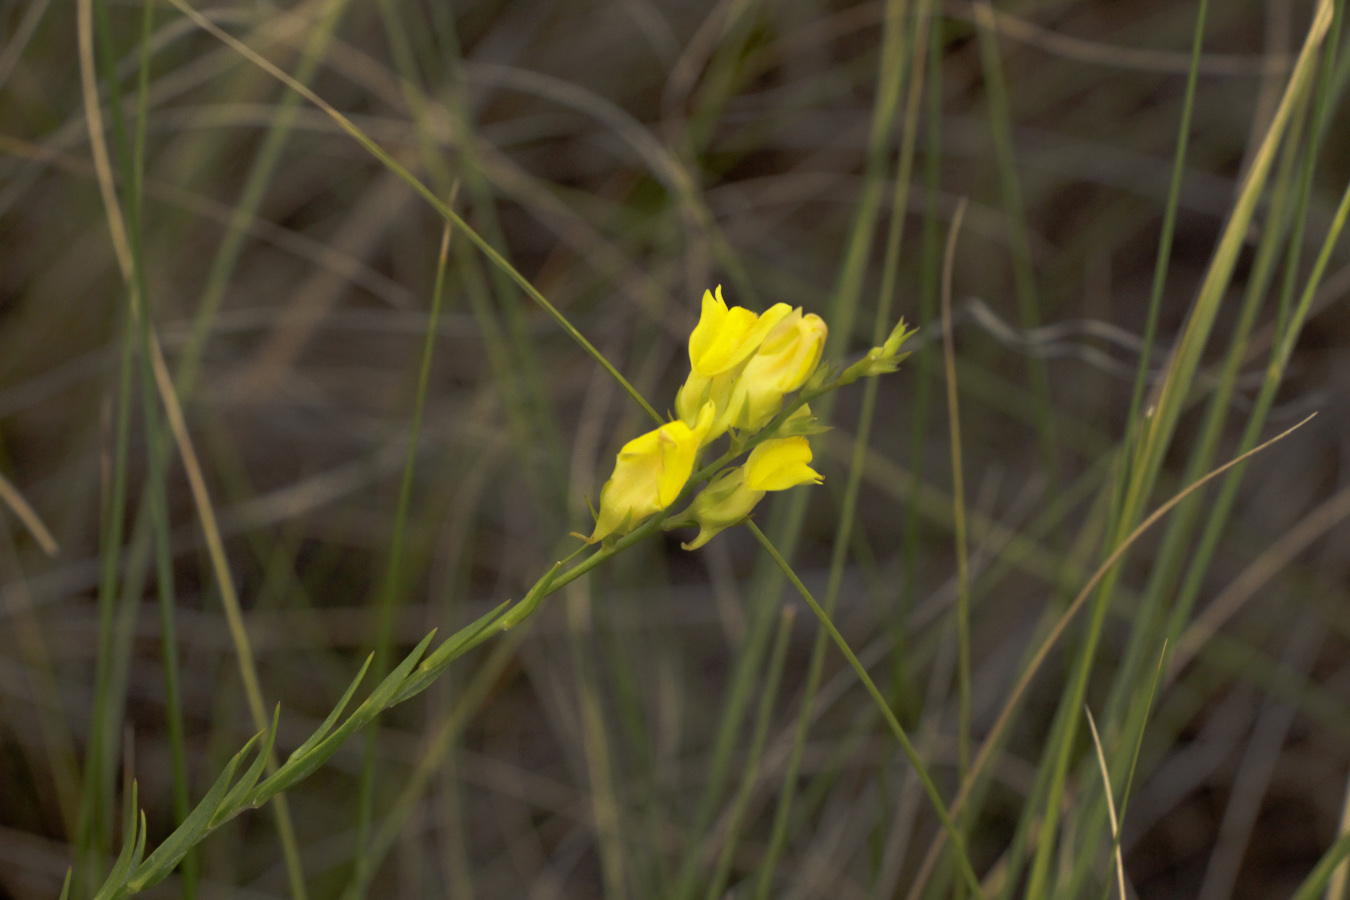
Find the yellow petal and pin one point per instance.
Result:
(724, 338)
(782, 364)
(780, 464)
(649, 474)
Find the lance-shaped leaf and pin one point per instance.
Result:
(299, 767)
(185, 836)
(133, 841)
(234, 800)
(455, 646)
(322, 731)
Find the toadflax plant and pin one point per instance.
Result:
(751, 379)
(743, 366)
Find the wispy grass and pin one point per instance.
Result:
(276, 396)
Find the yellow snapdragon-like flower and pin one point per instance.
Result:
(780, 464)
(719, 348)
(772, 466)
(781, 365)
(726, 337)
(649, 474)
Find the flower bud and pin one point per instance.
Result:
(717, 507)
(880, 360)
(774, 465)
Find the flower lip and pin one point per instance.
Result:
(779, 464)
(726, 337)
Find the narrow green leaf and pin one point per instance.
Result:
(233, 800)
(131, 838)
(162, 861)
(455, 646)
(299, 767)
(322, 731)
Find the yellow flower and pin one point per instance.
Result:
(649, 474)
(780, 464)
(773, 466)
(724, 339)
(783, 362)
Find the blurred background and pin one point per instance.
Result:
(637, 738)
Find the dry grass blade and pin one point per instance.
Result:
(1019, 689)
(26, 514)
(1110, 802)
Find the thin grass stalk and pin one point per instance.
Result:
(958, 504)
(1134, 758)
(1166, 236)
(848, 510)
(125, 254)
(1110, 802)
(261, 170)
(929, 287)
(949, 826)
(998, 731)
(523, 380)
(1161, 265)
(157, 464)
(1024, 274)
(93, 832)
(392, 592)
(754, 755)
(1161, 426)
(599, 757)
(765, 603)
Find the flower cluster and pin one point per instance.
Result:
(742, 367)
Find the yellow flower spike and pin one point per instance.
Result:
(780, 464)
(649, 474)
(782, 364)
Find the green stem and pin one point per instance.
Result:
(948, 824)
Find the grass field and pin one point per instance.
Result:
(321, 325)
